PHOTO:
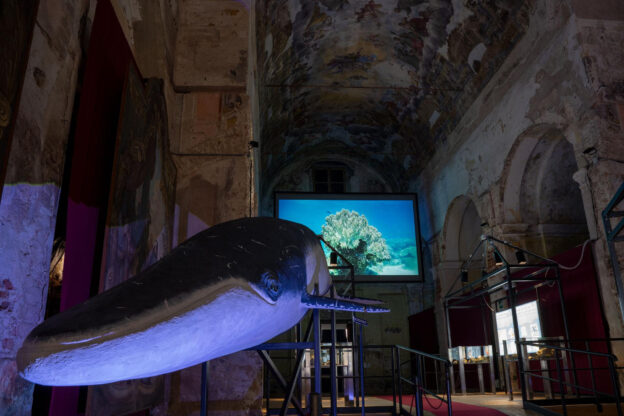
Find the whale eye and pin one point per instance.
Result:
(272, 285)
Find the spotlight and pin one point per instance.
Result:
(497, 259)
(464, 276)
(520, 257)
(333, 259)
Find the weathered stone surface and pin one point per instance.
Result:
(215, 122)
(521, 142)
(30, 195)
(388, 81)
(211, 45)
(234, 387)
(27, 219)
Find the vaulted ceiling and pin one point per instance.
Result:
(380, 80)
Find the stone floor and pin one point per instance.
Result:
(499, 402)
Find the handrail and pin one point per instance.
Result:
(417, 381)
(424, 354)
(559, 350)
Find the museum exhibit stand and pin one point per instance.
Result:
(542, 329)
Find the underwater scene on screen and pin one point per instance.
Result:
(377, 236)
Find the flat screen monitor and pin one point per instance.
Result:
(528, 324)
(377, 233)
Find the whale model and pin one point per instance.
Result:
(231, 287)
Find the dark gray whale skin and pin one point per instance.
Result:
(278, 259)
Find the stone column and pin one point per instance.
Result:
(580, 176)
(32, 186)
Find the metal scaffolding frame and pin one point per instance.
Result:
(480, 288)
(613, 235)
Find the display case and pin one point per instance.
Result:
(476, 355)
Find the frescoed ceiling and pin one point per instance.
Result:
(381, 80)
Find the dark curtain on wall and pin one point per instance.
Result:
(108, 58)
(424, 332)
(17, 20)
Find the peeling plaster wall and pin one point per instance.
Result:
(216, 179)
(151, 29)
(561, 79)
(31, 190)
(212, 44)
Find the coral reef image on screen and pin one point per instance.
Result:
(377, 236)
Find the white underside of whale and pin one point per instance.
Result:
(216, 321)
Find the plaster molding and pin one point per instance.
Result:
(581, 177)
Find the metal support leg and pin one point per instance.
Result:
(317, 351)
(448, 390)
(507, 372)
(561, 386)
(511, 298)
(394, 398)
(267, 392)
(293, 381)
(280, 379)
(417, 380)
(361, 371)
(204, 389)
(332, 364)
(399, 381)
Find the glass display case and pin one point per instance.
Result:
(477, 355)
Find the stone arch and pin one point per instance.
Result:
(461, 222)
(542, 204)
(296, 177)
(461, 233)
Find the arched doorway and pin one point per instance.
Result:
(542, 204)
(460, 236)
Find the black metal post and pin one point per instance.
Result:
(398, 352)
(280, 379)
(448, 390)
(417, 380)
(267, 393)
(317, 351)
(204, 388)
(511, 298)
(332, 363)
(447, 316)
(394, 401)
(561, 392)
(299, 339)
(297, 374)
(566, 330)
(591, 371)
(362, 372)
(616, 387)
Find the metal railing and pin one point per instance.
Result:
(418, 382)
(566, 388)
(407, 378)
